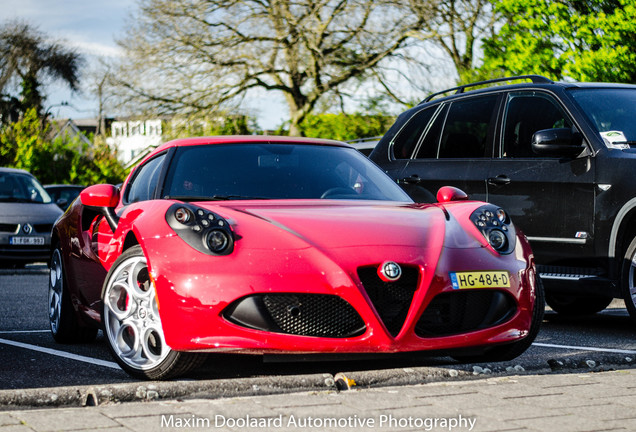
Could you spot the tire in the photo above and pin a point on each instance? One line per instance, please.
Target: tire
(514, 349)
(577, 306)
(63, 320)
(132, 324)
(628, 279)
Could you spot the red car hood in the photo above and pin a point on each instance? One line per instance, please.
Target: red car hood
(330, 225)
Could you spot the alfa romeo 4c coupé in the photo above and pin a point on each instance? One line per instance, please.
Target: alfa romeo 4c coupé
(272, 245)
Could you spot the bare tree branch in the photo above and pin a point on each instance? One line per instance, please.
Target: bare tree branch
(196, 55)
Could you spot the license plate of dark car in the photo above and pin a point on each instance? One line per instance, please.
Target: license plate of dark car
(28, 241)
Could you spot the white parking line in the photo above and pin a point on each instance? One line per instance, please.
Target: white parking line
(584, 348)
(64, 354)
(23, 331)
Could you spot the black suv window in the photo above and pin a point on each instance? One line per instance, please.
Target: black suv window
(467, 129)
(145, 182)
(527, 113)
(430, 144)
(407, 138)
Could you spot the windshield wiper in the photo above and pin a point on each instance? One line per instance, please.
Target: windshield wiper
(212, 198)
(235, 197)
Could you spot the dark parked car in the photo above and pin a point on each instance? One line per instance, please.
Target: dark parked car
(63, 194)
(559, 157)
(27, 214)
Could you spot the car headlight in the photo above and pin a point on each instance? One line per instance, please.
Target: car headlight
(494, 223)
(202, 229)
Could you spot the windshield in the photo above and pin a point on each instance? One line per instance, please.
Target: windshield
(612, 112)
(16, 187)
(276, 171)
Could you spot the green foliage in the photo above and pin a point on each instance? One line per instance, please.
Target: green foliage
(345, 127)
(25, 145)
(581, 40)
(231, 125)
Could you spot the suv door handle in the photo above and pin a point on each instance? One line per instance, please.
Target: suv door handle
(501, 179)
(413, 179)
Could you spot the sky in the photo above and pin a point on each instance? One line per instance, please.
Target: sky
(92, 27)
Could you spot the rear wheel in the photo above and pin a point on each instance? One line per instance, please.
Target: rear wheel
(63, 320)
(574, 306)
(132, 324)
(514, 349)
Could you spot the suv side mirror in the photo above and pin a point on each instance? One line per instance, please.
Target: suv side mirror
(105, 198)
(557, 142)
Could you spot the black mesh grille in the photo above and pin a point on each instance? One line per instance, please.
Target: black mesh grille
(319, 315)
(463, 311)
(313, 315)
(390, 299)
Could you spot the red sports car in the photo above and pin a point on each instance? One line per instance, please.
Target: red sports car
(252, 244)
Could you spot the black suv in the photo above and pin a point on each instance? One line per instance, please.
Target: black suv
(559, 157)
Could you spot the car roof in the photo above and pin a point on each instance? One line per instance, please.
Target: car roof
(249, 139)
(543, 84)
(15, 171)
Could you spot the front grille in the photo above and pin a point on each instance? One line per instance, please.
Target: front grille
(319, 315)
(391, 300)
(9, 228)
(43, 228)
(458, 312)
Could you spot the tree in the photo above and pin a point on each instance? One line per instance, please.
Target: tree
(577, 39)
(346, 127)
(28, 57)
(223, 125)
(26, 144)
(457, 27)
(205, 56)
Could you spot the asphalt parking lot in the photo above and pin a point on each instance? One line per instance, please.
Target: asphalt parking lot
(31, 360)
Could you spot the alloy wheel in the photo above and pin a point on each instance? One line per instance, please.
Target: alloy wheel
(131, 316)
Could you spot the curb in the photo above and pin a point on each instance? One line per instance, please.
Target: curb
(147, 391)
(214, 389)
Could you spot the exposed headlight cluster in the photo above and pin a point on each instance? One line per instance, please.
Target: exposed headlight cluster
(204, 230)
(495, 225)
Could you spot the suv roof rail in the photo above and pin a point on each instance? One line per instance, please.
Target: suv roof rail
(536, 79)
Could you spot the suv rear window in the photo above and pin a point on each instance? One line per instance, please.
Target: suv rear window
(409, 135)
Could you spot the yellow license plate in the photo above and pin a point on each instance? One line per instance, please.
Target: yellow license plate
(481, 279)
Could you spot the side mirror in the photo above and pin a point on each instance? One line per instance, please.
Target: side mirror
(450, 193)
(105, 198)
(62, 203)
(560, 142)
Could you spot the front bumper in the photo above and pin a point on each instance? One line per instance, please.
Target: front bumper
(198, 298)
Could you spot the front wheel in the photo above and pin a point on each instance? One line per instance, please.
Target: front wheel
(132, 323)
(628, 279)
(514, 349)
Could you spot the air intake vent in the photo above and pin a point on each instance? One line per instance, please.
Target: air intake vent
(319, 315)
(390, 299)
(458, 312)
